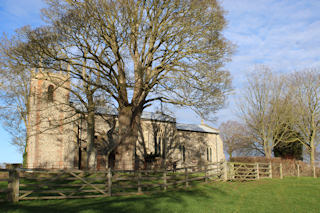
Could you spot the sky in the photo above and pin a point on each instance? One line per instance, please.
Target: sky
(282, 34)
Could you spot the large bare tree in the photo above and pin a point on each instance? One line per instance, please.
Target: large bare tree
(138, 52)
(306, 86)
(14, 108)
(237, 139)
(267, 109)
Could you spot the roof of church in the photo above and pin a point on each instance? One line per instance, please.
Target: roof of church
(157, 116)
(197, 128)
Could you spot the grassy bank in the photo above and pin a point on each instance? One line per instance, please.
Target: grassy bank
(288, 195)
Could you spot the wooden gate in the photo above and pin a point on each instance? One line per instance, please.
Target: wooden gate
(61, 184)
(249, 171)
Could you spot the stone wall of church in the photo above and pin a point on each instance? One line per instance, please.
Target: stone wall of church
(57, 135)
(156, 138)
(197, 148)
(51, 136)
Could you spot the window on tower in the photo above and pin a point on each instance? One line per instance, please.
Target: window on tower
(50, 93)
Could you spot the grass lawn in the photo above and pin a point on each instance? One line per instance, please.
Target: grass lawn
(287, 195)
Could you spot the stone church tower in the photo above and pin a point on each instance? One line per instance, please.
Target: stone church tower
(51, 138)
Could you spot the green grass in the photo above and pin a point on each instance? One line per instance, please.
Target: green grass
(3, 185)
(287, 195)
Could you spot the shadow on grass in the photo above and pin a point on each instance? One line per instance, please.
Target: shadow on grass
(170, 201)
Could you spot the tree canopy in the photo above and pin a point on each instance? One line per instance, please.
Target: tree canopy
(171, 51)
(137, 52)
(281, 112)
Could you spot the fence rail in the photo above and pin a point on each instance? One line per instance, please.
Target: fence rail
(34, 184)
(249, 171)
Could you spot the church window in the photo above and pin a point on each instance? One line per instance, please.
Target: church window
(183, 154)
(50, 93)
(34, 95)
(159, 145)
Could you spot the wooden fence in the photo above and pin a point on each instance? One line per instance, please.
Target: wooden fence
(30, 184)
(4, 191)
(249, 171)
(34, 184)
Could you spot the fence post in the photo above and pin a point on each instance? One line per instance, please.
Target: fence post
(225, 171)
(281, 175)
(13, 185)
(165, 180)
(270, 169)
(314, 171)
(109, 182)
(186, 176)
(257, 169)
(298, 167)
(232, 172)
(205, 173)
(139, 182)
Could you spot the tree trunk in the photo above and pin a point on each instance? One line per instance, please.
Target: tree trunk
(267, 151)
(164, 153)
(129, 121)
(230, 151)
(312, 143)
(91, 152)
(25, 154)
(26, 121)
(312, 154)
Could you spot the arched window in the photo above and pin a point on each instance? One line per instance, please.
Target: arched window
(183, 153)
(159, 145)
(50, 93)
(34, 95)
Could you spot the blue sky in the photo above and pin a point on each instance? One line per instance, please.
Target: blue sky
(283, 34)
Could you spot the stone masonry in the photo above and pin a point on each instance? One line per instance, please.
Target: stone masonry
(57, 134)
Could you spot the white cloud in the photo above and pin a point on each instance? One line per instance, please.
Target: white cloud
(284, 35)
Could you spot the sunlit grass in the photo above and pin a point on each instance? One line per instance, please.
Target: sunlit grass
(287, 195)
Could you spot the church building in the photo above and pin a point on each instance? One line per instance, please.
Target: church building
(57, 136)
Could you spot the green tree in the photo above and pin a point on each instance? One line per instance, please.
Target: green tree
(291, 147)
